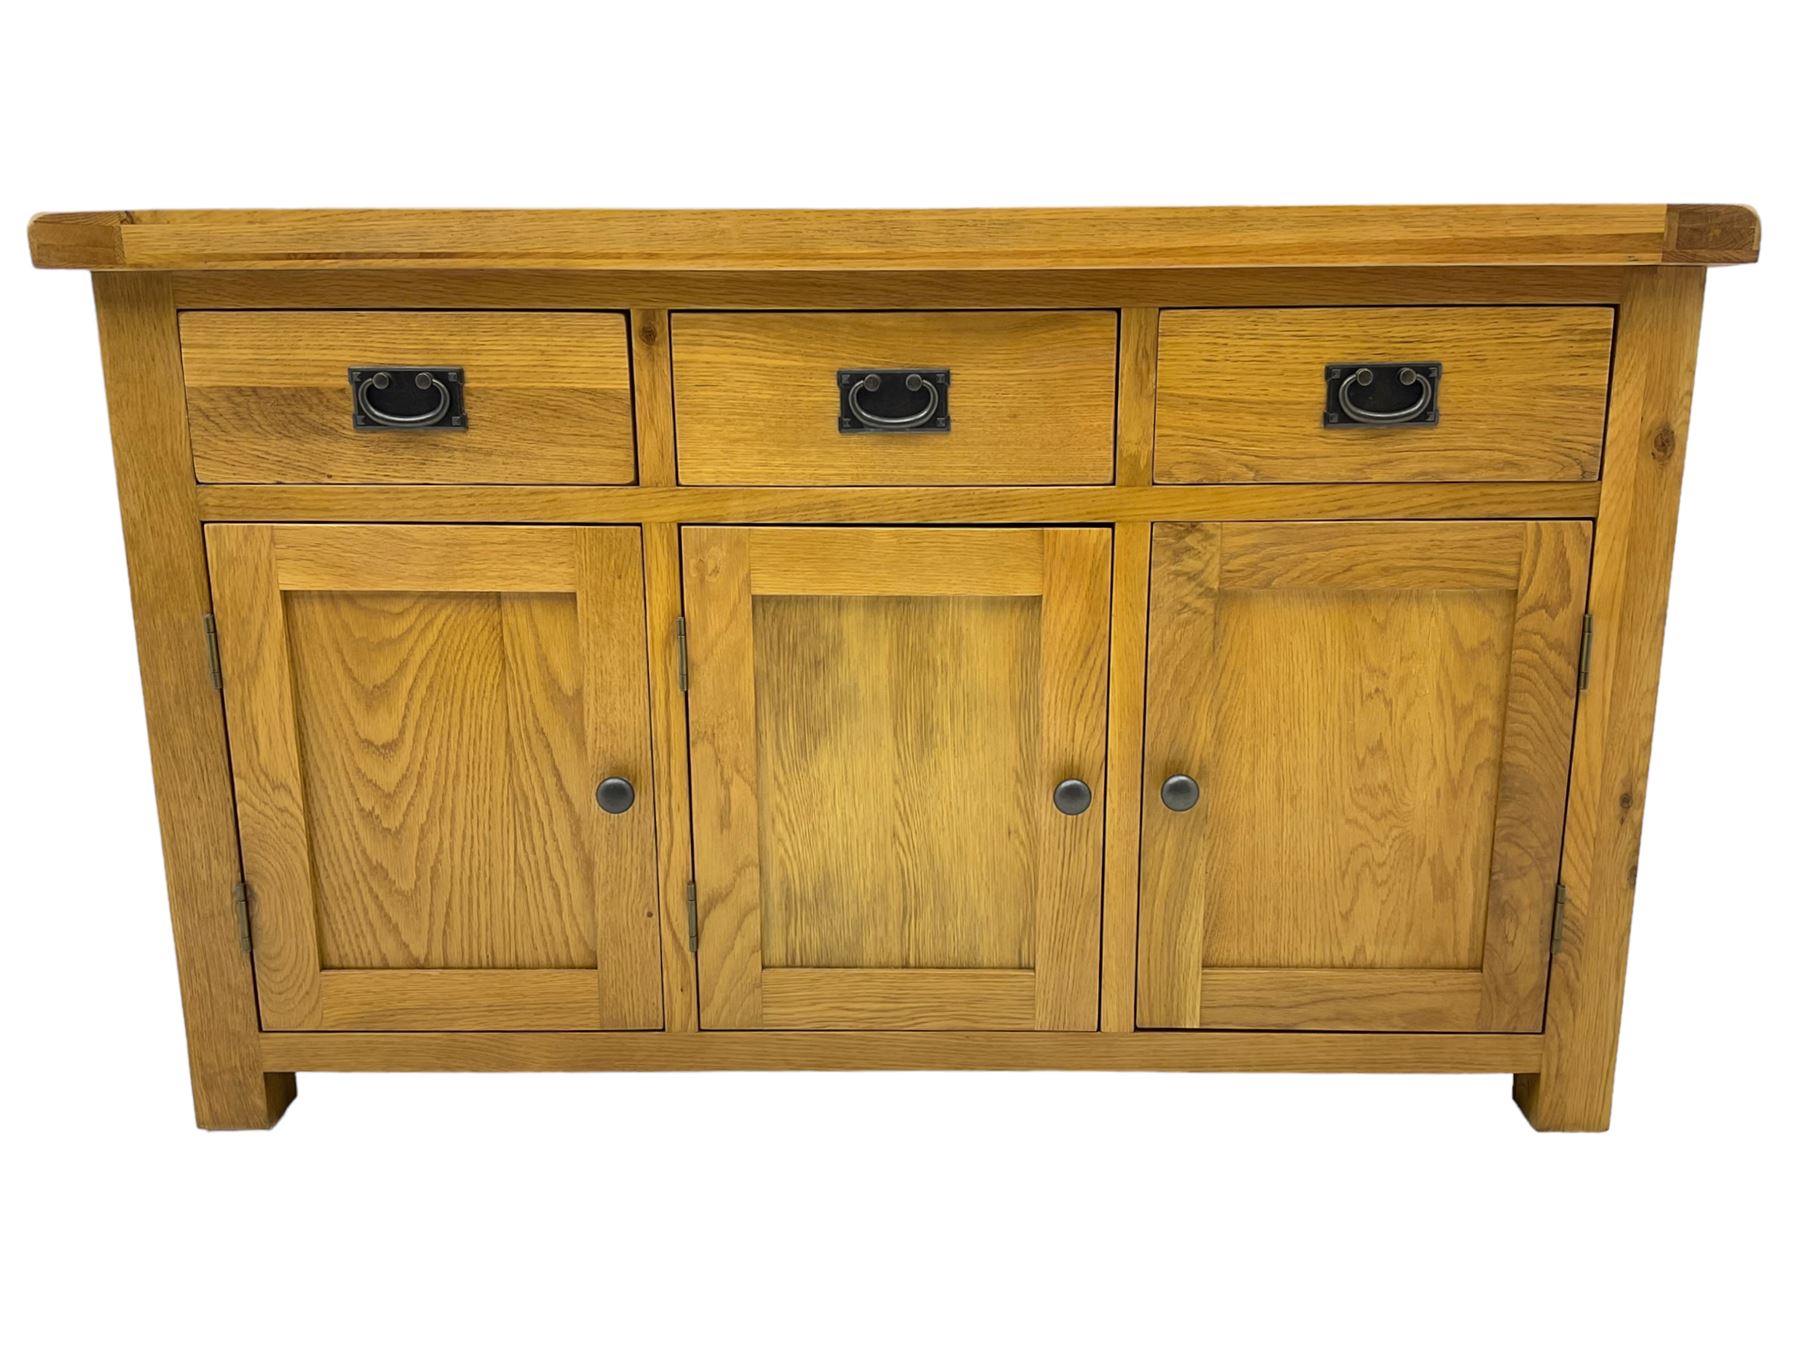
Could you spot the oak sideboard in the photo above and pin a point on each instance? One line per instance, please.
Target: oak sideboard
(1216, 639)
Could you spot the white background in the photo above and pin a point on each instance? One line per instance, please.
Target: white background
(894, 1209)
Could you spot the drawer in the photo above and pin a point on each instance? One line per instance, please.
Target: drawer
(1241, 394)
(546, 397)
(1029, 397)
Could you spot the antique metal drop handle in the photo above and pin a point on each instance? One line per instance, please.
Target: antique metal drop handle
(872, 382)
(424, 380)
(1363, 377)
(1179, 792)
(1073, 796)
(615, 795)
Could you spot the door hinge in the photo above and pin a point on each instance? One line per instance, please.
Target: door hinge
(693, 906)
(1587, 651)
(240, 895)
(1556, 923)
(212, 651)
(681, 666)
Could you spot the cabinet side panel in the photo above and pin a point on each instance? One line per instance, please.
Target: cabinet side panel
(166, 562)
(1634, 543)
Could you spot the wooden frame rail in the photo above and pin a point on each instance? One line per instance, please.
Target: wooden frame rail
(1179, 1051)
(1122, 504)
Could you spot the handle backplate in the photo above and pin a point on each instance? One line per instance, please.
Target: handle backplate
(916, 399)
(407, 398)
(1381, 393)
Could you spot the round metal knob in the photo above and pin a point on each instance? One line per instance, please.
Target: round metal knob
(615, 795)
(1179, 792)
(1073, 796)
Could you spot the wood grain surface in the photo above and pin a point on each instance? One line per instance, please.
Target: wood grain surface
(966, 239)
(928, 782)
(1240, 394)
(442, 745)
(1137, 550)
(415, 772)
(669, 747)
(1177, 1052)
(1126, 693)
(1379, 716)
(1030, 397)
(166, 566)
(1340, 1000)
(548, 397)
(1352, 775)
(1147, 288)
(929, 729)
(909, 999)
(1634, 546)
(908, 506)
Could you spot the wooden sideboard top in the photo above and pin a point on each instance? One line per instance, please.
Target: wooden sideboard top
(901, 241)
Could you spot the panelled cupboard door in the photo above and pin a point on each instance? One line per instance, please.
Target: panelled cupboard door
(1357, 748)
(880, 722)
(420, 718)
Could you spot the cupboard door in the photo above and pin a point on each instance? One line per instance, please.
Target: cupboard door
(1376, 720)
(880, 721)
(420, 718)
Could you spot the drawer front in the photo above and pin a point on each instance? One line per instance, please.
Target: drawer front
(1029, 397)
(546, 397)
(1241, 394)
